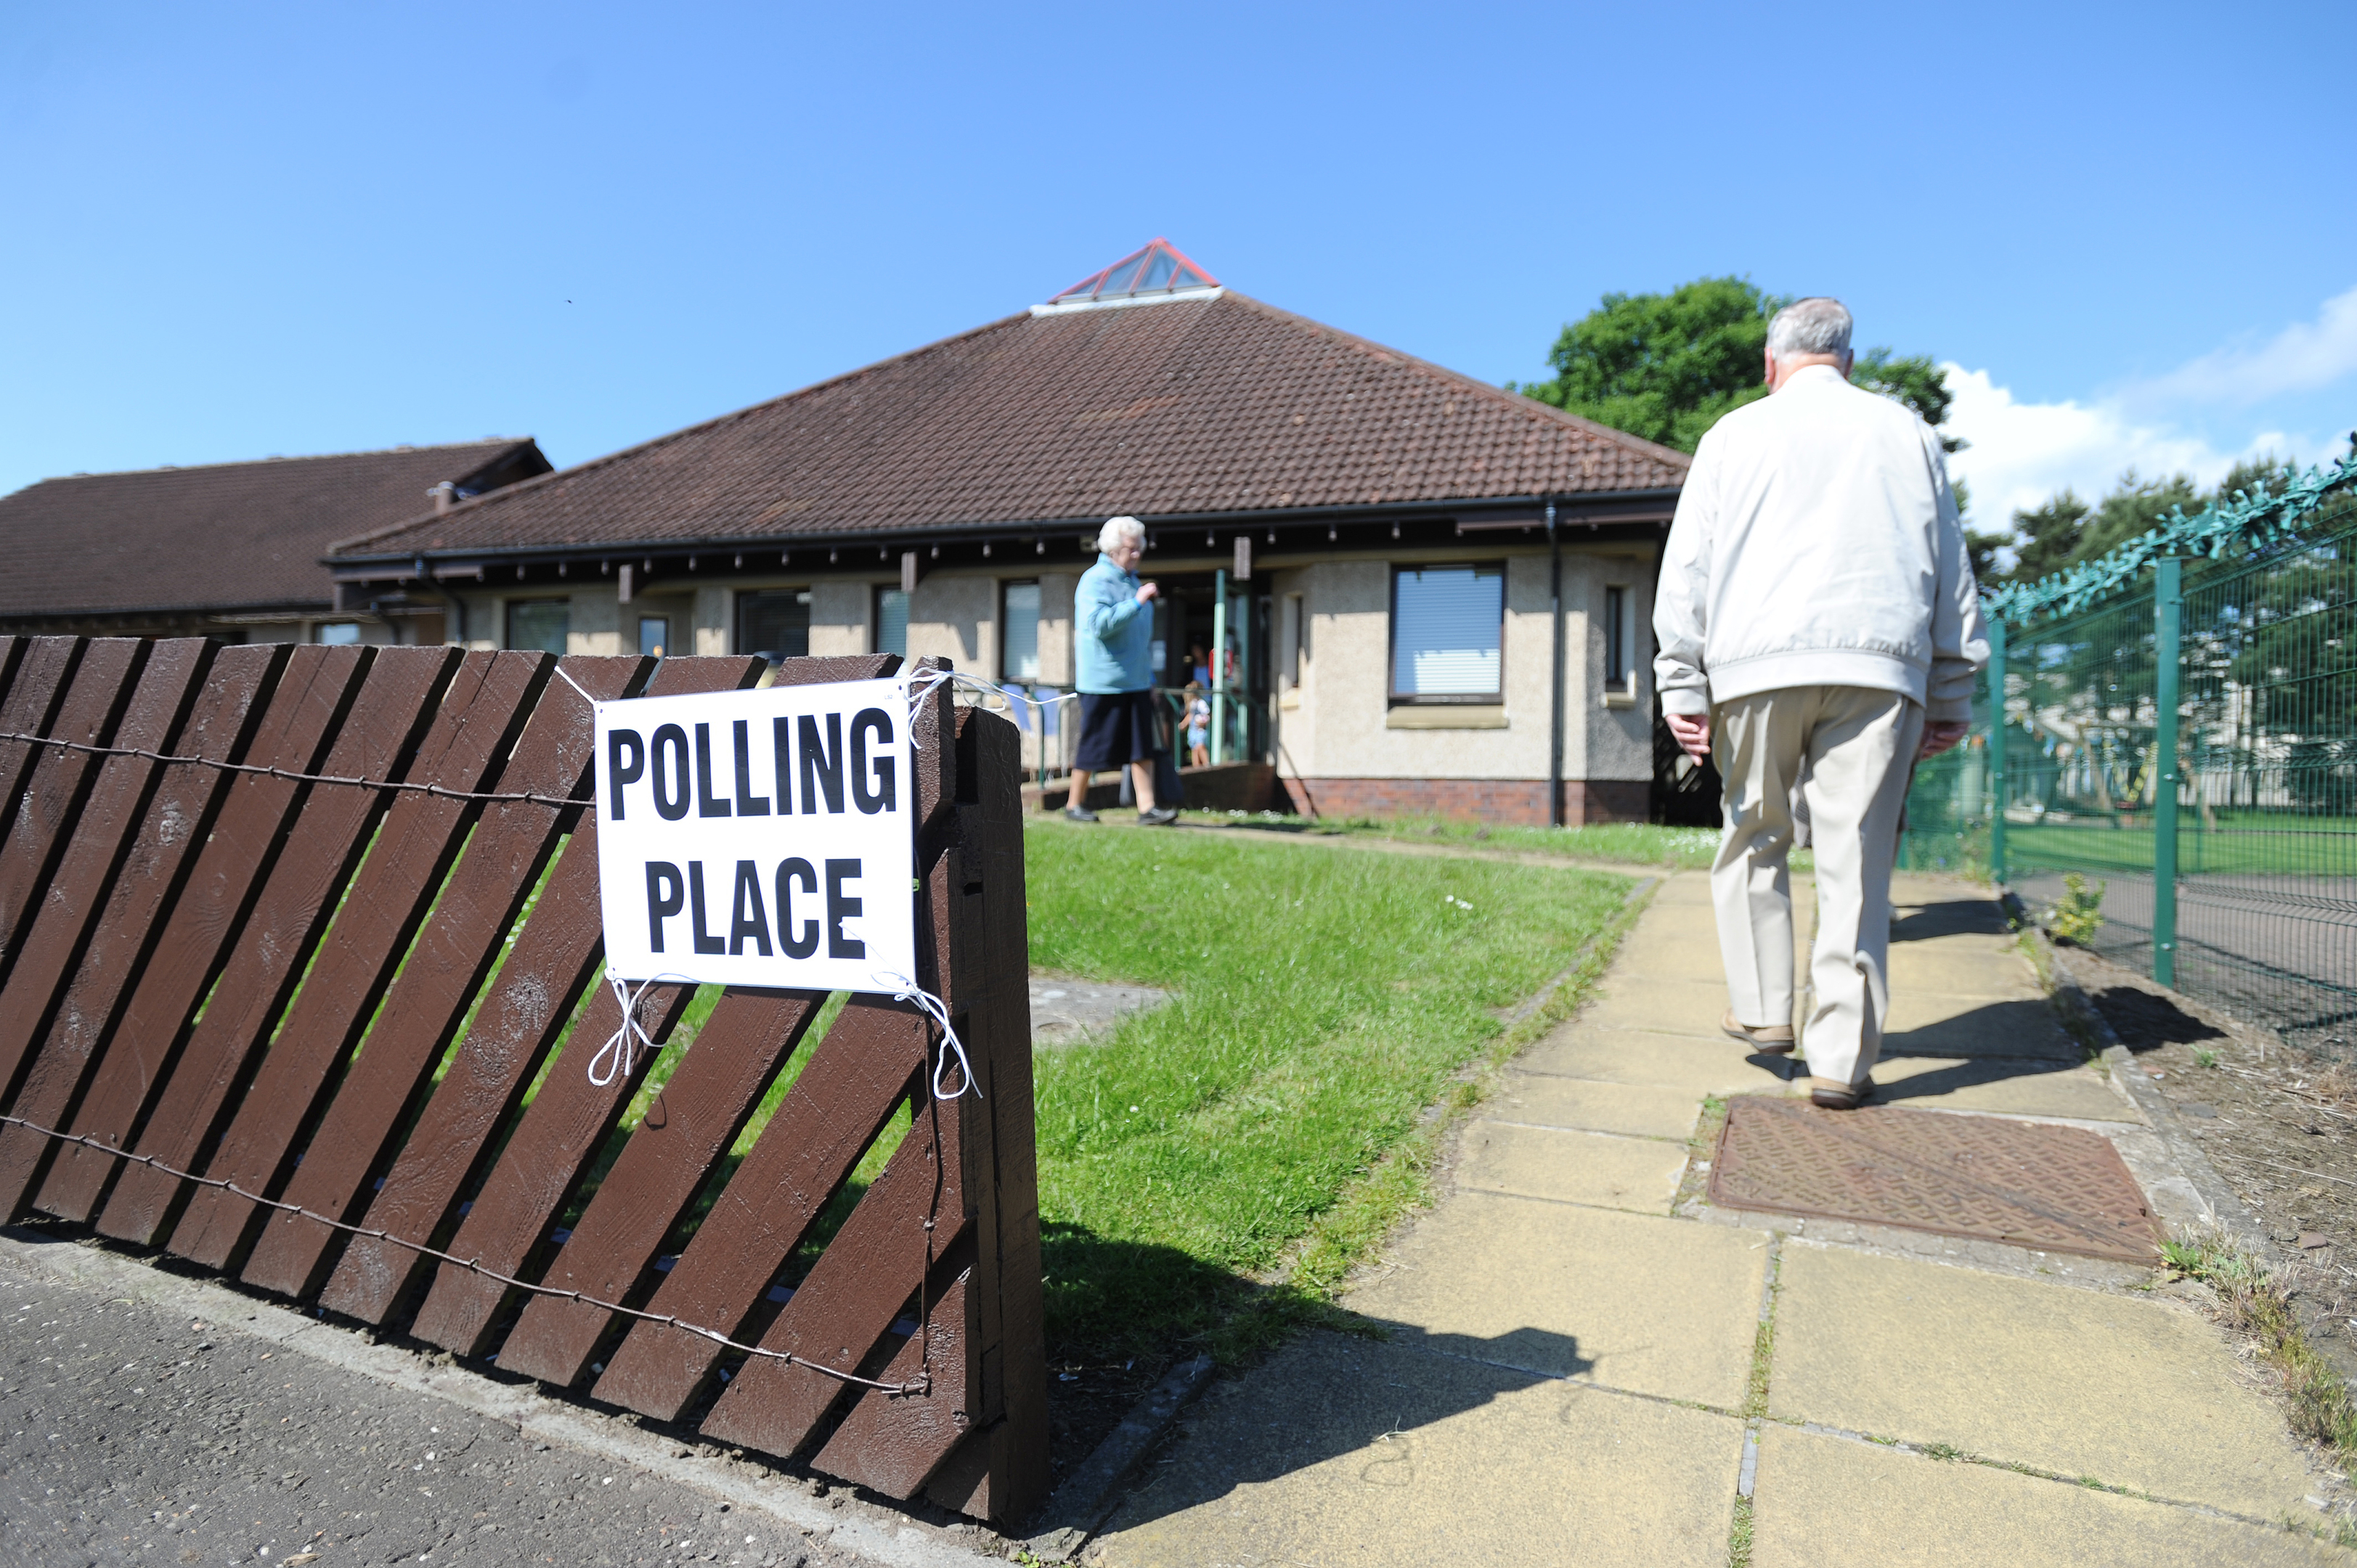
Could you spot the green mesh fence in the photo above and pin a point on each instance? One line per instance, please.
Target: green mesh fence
(2267, 738)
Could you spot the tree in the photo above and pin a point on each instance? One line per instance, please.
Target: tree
(1668, 366)
(1663, 365)
(2065, 530)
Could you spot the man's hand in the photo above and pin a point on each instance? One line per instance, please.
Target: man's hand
(1941, 735)
(1146, 591)
(1692, 731)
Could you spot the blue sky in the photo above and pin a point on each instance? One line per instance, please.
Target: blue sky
(242, 229)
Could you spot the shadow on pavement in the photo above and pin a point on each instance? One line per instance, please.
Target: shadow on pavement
(1331, 1396)
(1949, 918)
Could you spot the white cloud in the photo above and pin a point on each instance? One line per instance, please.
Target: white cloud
(2303, 357)
(2021, 453)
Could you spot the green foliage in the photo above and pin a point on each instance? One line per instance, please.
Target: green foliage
(2255, 1301)
(1664, 366)
(2079, 914)
(1668, 366)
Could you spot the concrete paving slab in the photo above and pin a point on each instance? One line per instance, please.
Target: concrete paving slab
(1601, 1168)
(1687, 1063)
(2009, 1086)
(1824, 1502)
(1540, 1099)
(1951, 968)
(1665, 1007)
(1350, 1451)
(1929, 1023)
(1653, 1305)
(2136, 1393)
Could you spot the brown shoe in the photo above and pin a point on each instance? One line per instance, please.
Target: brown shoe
(1772, 1040)
(1836, 1096)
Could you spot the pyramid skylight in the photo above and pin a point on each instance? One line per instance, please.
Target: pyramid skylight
(1149, 276)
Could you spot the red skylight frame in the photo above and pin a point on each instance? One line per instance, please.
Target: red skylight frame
(1181, 263)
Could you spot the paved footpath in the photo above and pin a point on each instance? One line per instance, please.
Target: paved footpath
(1580, 1367)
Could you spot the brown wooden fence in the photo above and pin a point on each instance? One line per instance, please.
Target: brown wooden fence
(342, 1000)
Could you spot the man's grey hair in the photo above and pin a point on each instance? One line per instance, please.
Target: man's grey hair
(1118, 531)
(1818, 325)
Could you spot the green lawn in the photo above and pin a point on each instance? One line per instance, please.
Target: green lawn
(2277, 845)
(1322, 1001)
(1627, 844)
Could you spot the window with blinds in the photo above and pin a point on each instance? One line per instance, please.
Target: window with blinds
(892, 621)
(1019, 633)
(1448, 624)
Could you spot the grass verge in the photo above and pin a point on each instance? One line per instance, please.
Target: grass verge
(1210, 1171)
(2255, 1301)
(1627, 844)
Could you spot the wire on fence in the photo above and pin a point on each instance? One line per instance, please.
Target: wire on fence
(922, 1385)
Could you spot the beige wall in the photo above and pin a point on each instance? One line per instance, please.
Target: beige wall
(1341, 724)
(1056, 593)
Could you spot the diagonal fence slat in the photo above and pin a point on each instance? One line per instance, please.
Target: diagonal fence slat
(161, 816)
(480, 713)
(867, 1063)
(848, 1302)
(693, 1120)
(344, 997)
(519, 1018)
(511, 843)
(328, 830)
(49, 796)
(66, 917)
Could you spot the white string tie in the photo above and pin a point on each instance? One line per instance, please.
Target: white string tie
(908, 990)
(923, 683)
(623, 1043)
(576, 685)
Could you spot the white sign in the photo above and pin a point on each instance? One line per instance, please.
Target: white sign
(760, 838)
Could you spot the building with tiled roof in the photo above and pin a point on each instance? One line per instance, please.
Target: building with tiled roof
(1431, 590)
(227, 550)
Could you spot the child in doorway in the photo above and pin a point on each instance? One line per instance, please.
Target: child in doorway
(1199, 727)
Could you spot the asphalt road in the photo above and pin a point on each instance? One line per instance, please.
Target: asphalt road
(133, 1433)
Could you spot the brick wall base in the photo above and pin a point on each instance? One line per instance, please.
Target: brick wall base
(1517, 802)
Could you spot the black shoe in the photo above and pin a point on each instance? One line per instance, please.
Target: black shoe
(1160, 817)
(1079, 814)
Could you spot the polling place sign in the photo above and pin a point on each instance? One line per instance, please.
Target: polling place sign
(758, 838)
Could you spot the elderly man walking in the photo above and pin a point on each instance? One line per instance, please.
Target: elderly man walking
(1819, 630)
(1115, 626)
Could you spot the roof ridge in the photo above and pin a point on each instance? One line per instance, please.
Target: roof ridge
(475, 505)
(300, 457)
(1512, 401)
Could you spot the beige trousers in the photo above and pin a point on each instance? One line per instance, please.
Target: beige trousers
(1850, 750)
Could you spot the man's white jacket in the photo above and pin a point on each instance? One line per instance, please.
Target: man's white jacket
(1817, 543)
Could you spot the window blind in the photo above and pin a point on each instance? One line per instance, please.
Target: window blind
(1020, 633)
(1446, 630)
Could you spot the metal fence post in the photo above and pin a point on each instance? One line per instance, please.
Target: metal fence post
(1219, 666)
(2169, 601)
(1997, 750)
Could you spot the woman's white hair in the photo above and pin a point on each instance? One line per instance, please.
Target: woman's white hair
(1118, 531)
(1818, 325)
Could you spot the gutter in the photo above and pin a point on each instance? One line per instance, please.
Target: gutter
(1606, 507)
(1555, 709)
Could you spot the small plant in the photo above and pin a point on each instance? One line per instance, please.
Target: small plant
(2255, 1302)
(2079, 914)
(2204, 1056)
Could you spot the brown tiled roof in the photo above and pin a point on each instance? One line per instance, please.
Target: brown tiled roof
(1185, 408)
(225, 537)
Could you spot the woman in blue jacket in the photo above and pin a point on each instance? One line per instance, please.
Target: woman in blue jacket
(1114, 634)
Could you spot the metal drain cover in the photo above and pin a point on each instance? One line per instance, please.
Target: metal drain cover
(2026, 1183)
